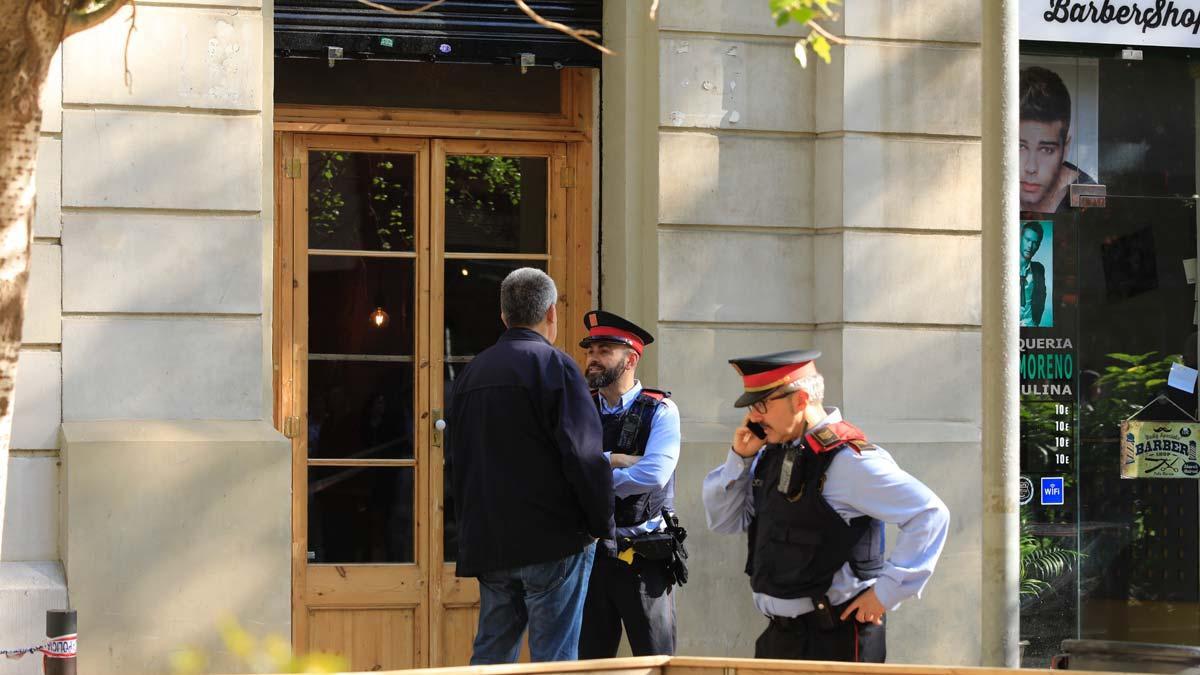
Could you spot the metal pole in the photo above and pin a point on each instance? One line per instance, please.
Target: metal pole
(60, 627)
(1001, 415)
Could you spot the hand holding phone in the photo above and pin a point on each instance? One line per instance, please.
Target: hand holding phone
(756, 429)
(749, 438)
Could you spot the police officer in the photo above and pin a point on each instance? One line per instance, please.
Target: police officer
(814, 495)
(631, 584)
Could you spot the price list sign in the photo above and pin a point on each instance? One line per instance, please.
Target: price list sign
(1049, 372)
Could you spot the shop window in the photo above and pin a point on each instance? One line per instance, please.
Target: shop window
(1108, 309)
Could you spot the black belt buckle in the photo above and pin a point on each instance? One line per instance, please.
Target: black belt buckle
(823, 613)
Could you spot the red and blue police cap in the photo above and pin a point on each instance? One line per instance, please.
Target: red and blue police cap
(763, 374)
(605, 326)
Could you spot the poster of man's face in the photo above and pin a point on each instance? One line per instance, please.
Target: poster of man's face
(1058, 130)
(1037, 273)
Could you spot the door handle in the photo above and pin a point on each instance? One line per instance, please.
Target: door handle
(439, 425)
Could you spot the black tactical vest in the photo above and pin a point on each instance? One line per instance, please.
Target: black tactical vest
(627, 433)
(797, 541)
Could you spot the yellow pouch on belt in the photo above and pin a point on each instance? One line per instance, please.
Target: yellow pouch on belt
(626, 556)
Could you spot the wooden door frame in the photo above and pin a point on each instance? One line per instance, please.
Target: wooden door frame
(572, 128)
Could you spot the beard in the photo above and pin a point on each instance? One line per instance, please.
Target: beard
(604, 377)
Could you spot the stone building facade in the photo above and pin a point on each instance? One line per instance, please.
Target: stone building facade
(746, 205)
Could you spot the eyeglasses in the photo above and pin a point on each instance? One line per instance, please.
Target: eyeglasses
(760, 407)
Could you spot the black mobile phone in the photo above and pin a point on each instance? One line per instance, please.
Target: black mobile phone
(756, 429)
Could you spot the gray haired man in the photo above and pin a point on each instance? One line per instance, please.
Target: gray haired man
(532, 488)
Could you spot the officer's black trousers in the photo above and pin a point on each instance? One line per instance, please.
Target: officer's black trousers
(638, 596)
(804, 639)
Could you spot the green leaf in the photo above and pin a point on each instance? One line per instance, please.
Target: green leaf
(802, 15)
(820, 47)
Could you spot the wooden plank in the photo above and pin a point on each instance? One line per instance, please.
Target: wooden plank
(637, 665)
(434, 298)
(579, 242)
(479, 119)
(495, 256)
(340, 585)
(408, 255)
(398, 131)
(422, 410)
(556, 240)
(363, 462)
(458, 635)
(321, 142)
(687, 665)
(499, 147)
(369, 638)
(458, 591)
(298, 379)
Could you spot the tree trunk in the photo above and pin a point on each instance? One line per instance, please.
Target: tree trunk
(30, 32)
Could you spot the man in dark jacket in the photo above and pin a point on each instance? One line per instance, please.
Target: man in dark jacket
(533, 490)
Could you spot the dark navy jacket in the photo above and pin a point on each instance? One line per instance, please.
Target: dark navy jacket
(531, 483)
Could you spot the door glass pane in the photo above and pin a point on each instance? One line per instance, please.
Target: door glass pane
(473, 303)
(359, 305)
(360, 515)
(359, 409)
(361, 201)
(496, 204)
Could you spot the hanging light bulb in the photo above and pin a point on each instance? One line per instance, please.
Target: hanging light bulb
(465, 273)
(379, 318)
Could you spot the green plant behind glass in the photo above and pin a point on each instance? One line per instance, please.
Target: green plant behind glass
(1043, 562)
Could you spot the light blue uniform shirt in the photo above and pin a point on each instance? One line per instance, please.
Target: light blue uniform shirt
(657, 465)
(857, 484)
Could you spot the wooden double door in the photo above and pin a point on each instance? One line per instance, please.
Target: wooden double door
(390, 256)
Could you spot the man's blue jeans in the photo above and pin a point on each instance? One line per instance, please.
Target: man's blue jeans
(547, 596)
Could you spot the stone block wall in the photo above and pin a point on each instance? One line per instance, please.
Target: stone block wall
(149, 305)
(837, 207)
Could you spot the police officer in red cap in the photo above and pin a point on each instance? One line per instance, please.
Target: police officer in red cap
(633, 576)
(813, 494)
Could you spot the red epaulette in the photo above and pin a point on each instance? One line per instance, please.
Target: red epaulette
(656, 394)
(835, 435)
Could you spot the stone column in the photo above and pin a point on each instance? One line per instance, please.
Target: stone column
(1001, 334)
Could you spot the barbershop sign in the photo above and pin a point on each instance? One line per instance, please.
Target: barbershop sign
(1151, 449)
(1134, 23)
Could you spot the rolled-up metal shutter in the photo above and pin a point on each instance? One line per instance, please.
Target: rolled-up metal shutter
(462, 31)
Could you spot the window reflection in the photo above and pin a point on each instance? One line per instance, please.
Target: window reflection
(473, 302)
(345, 297)
(360, 515)
(361, 201)
(496, 204)
(360, 410)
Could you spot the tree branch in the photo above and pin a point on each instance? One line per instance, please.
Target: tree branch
(393, 10)
(94, 13)
(578, 34)
(128, 39)
(826, 34)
